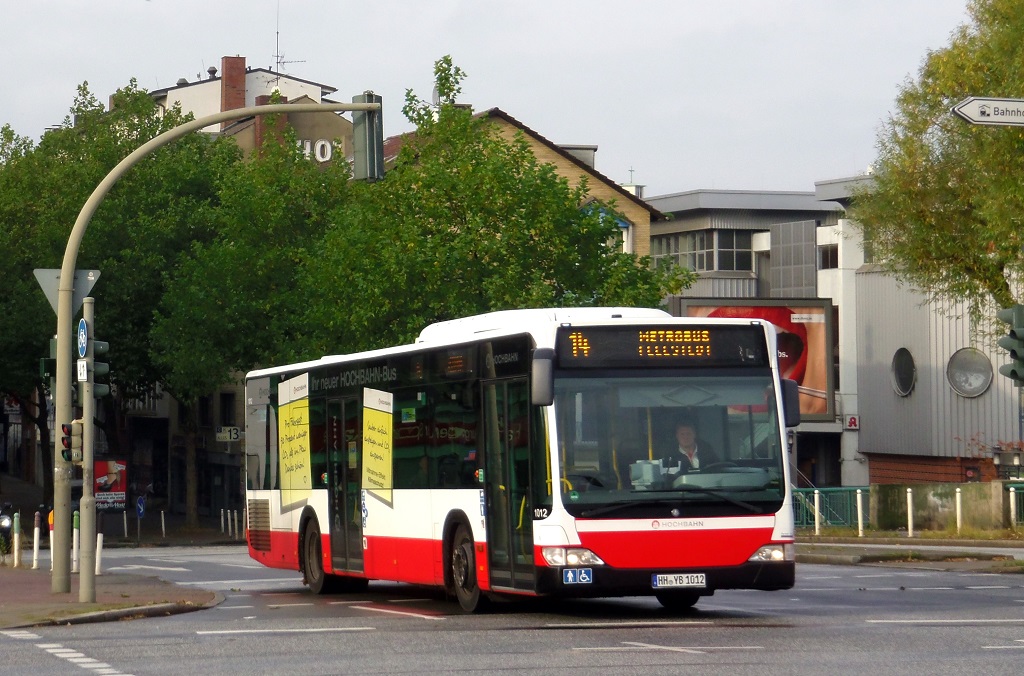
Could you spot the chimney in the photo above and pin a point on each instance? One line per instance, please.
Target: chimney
(263, 126)
(232, 83)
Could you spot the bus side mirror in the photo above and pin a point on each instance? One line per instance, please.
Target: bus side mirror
(542, 381)
(791, 402)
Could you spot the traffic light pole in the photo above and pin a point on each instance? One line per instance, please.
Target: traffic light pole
(87, 541)
(60, 581)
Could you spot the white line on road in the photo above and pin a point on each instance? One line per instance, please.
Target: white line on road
(311, 630)
(392, 611)
(641, 623)
(948, 621)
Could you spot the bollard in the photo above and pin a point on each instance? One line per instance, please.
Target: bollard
(163, 525)
(245, 524)
(125, 515)
(75, 535)
(860, 515)
(222, 521)
(1013, 508)
(51, 548)
(910, 513)
(959, 512)
(99, 553)
(235, 514)
(817, 512)
(35, 541)
(16, 551)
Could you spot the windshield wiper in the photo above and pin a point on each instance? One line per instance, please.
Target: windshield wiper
(715, 492)
(622, 504)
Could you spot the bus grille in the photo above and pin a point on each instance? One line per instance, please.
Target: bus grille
(259, 525)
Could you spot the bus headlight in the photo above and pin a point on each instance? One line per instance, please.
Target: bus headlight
(574, 556)
(774, 554)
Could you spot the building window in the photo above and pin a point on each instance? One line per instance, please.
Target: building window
(734, 250)
(969, 372)
(828, 257)
(904, 372)
(227, 409)
(205, 412)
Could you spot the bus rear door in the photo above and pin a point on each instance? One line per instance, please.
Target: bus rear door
(344, 466)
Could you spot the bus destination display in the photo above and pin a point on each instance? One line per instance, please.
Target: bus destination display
(651, 346)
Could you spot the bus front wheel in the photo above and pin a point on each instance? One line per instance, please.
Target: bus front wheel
(677, 600)
(463, 569)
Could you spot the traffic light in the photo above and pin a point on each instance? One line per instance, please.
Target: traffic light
(1014, 342)
(99, 348)
(71, 441)
(367, 140)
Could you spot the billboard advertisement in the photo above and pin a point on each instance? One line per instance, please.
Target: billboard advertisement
(805, 342)
(111, 484)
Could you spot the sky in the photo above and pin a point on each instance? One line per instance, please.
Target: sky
(677, 95)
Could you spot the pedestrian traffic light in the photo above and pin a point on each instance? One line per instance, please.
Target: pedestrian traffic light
(1014, 343)
(71, 441)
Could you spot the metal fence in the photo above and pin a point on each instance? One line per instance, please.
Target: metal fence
(837, 506)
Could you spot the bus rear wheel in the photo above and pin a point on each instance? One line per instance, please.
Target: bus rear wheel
(463, 570)
(313, 560)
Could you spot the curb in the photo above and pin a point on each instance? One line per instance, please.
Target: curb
(116, 614)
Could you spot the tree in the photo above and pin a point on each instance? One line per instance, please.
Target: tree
(943, 209)
(144, 224)
(465, 222)
(233, 303)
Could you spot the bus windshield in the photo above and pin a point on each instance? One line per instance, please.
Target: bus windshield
(708, 444)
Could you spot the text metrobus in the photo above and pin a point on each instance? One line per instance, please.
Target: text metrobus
(522, 453)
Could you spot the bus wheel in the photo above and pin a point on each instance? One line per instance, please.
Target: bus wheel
(312, 559)
(677, 600)
(463, 567)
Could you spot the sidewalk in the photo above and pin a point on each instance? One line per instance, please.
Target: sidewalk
(26, 596)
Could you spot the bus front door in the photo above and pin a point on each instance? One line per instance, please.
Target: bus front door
(345, 469)
(507, 483)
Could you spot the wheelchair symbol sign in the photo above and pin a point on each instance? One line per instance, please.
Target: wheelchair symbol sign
(577, 576)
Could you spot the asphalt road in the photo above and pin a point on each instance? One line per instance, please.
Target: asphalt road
(841, 619)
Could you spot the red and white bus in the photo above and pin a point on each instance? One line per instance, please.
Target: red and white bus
(521, 453)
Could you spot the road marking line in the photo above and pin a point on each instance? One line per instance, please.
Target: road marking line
(948, 621)
(988, 586)
(392, 611)
(288, 605)
(312, 630)
(233, 607)
(248, 581)
(640, 623)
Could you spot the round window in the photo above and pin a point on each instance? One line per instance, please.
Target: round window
(969, 372)
(904, 373)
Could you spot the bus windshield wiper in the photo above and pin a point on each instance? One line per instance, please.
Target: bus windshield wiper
(715, 492)
(622, 504)
(719, 493)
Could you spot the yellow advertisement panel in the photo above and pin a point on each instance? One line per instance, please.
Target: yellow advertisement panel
(377, 444)
(293, 441)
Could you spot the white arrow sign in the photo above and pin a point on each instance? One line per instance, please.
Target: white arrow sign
(980, 110)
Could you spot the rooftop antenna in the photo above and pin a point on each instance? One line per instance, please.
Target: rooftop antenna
(279, 59)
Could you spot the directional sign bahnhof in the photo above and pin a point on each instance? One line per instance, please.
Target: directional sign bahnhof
(980, 110)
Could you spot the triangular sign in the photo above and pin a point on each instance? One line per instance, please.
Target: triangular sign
(49, 281)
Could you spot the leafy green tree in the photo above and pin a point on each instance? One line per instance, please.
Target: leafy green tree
(147, 221)
(233, 302)
(466, 222)
(943, 210)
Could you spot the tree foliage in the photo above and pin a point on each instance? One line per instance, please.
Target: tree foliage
(465, 222)
(944, 207)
